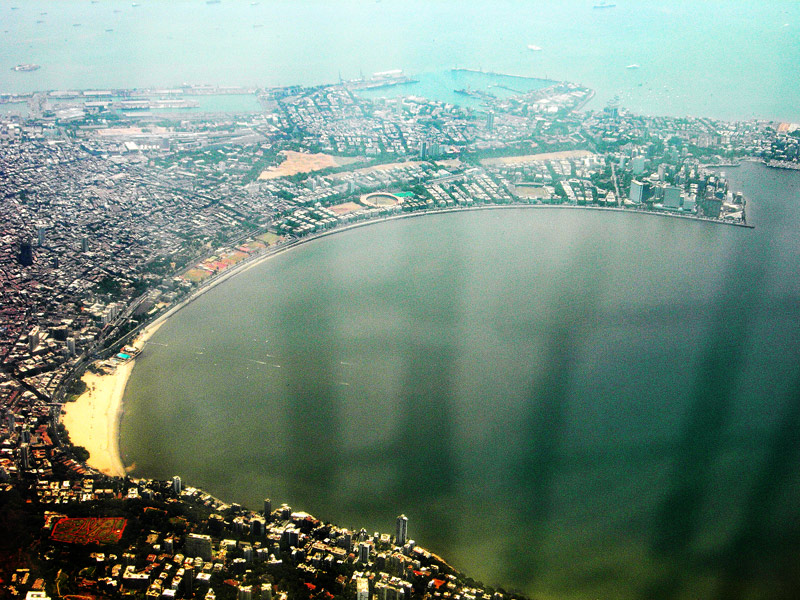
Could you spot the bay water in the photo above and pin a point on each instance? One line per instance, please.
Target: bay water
(569, 402)
(572, 403)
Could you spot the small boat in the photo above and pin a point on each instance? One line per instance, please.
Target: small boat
(26, 67)
(534, 47)
(632, 66)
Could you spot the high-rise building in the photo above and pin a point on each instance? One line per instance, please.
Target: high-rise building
(267, 507)
(423, 150)
(84, 244)
(266, 591)
(363, 553)
(198, 545)
(402, 530)
(257, 527)
(490, 121)
(247, 553)
(176, 485)
(245, 592)
(33, 338)
(672, 196)
(637, 164)
(40, 235)
(711, 206)
(362, 588)
(25, 455)
(25, 253)
(640, 191)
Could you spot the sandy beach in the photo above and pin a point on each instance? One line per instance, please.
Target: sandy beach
(92, 421)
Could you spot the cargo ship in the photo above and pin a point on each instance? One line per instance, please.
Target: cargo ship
(26, 67)
(475, 93)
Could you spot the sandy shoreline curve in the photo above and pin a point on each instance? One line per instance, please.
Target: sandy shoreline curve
(93, 419)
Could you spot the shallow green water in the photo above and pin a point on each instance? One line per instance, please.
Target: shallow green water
(573, 403)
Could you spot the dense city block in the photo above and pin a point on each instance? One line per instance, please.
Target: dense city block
(113, 214)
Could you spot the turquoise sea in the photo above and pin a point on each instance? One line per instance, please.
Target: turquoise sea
(733, 59)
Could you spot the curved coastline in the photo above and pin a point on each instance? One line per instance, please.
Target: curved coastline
(93, 421)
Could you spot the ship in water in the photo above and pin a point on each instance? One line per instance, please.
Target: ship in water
(534, 48)
(475, 93)
(633, 66)
(26, 67)
(604, 4)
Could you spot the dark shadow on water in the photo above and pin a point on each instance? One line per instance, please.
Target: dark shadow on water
(422, 450)
(759, 549)
(703, 437)
(426, 413)
(532, 472)
(313, 436)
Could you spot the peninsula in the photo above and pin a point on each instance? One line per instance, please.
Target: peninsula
(114, 218)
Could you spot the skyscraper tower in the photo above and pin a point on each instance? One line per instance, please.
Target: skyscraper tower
(640, 191)
(26, 253)
(402, 530)
(176, 484)
(363, 553)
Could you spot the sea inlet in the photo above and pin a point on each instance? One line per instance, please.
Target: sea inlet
(575, 404)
